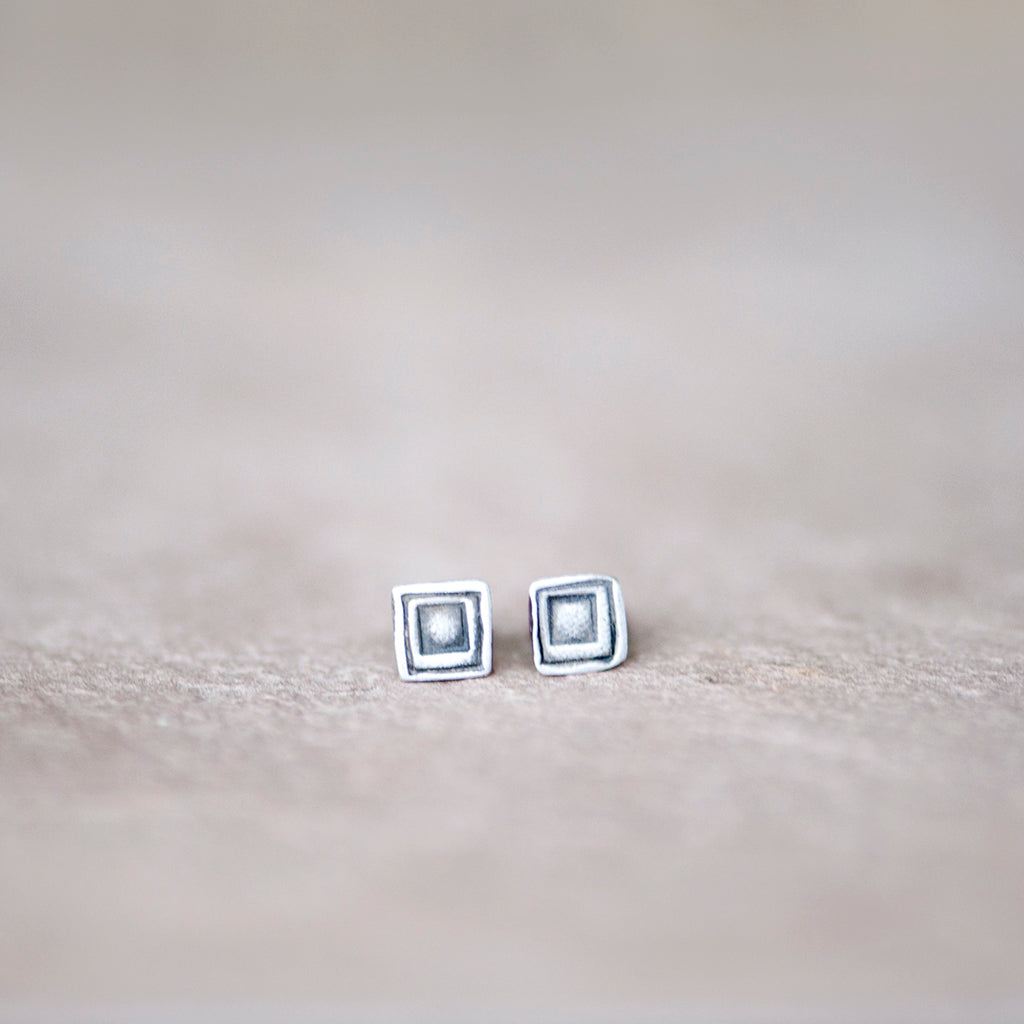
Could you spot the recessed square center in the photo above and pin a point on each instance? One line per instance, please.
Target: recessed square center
(443, 628)
(573, 619)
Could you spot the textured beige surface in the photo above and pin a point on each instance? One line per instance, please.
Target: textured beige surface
(301, 303)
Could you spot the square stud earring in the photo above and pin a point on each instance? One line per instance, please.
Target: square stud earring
(442, 630)
(578, 624)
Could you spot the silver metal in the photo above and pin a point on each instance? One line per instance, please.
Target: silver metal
(442, 630)
(578, 624)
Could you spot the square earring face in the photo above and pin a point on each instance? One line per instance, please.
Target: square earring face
(442, 630)
(578, 624)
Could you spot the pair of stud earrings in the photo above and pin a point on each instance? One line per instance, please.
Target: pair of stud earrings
(443, 630)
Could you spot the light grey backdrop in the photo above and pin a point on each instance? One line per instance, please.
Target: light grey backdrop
(299, 302)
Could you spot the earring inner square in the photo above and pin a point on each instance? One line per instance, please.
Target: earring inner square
(443, 628)
(572, 619)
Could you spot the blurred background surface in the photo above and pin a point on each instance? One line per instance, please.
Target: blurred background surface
(300, 301)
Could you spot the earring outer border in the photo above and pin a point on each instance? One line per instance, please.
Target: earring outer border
(567, 668)
(440, 675)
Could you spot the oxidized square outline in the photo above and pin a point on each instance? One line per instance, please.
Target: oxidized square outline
(420, 661)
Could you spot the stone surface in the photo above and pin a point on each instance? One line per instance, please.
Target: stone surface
(300, 305)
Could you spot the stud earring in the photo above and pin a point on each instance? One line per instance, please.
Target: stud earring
(442, 630)
(578, 624)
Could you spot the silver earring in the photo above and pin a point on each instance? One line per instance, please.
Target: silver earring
(578, 624)
(442, 630)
